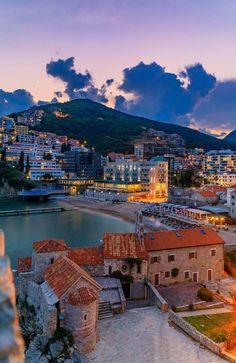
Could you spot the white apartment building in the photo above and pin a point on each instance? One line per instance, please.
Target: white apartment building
(152, 174)
(38, 168)
(217, 162)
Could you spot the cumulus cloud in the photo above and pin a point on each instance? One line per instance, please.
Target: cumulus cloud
(77, 84)
(218, 109)
(15, 101)
(162, 95)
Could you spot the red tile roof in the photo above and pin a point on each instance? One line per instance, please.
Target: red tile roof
(24, 264)
(123, 245)
(215, 188)
(182, 238)
(83, 295)
(50, 245)
(63, 274)
(87, 256)
(207, 194)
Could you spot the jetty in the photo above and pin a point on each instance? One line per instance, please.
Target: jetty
(18, 212)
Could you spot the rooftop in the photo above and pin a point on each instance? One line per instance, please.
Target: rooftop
(50, 245)
(83, 295)
(182, 238)
(123, 245)
(63, 274)
(24, 264)
(87, 256)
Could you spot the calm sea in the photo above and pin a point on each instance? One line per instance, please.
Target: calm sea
(77, 228)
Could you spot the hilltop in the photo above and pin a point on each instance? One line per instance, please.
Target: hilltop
(231, 137)
(107, 129)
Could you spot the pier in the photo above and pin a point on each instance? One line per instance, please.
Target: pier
(18, 212)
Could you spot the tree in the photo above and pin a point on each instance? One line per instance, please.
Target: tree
(4, 154)
(27, 168)
(47, 176)
(21, 162)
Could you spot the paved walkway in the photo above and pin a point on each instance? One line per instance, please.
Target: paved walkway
(205, 312)
(144, 336)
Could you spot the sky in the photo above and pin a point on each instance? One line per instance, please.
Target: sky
(169, 60)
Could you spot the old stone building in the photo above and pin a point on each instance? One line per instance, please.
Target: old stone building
(184, 255)
(62, 293)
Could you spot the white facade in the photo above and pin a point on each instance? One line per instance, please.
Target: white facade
(38, 168)
(152, 174)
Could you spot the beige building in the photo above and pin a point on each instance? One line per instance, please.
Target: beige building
(184, 255)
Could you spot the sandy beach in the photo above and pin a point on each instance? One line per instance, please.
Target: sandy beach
(125, 210)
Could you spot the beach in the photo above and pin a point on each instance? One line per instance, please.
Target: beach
(124, 210)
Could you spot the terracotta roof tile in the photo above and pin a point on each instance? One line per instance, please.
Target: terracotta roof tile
(123, 245)
(24, 264)
(63, 274)
(83, 295)
(87, 256)
(182, 238)
(207, 194)
(50, 245)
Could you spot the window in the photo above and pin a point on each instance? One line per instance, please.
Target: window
(125, 268)
(192, 255)
(171, 258)
(187, 275)
(157, 279)
(213, 252)
(85, 316)
(51, 260)
(139, 268)
(110, 270)
(167, 274)
(156, 259)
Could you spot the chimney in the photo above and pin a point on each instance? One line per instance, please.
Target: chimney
(2, 243)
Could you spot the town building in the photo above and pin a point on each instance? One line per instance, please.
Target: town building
(83, 164)
(38, 169)
(152, 174)
(184, 255)
(217, 162)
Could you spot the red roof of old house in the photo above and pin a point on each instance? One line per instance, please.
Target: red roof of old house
(207, 194)
(50, 245)
(215, 188)
(87, 256)
(123, 245)
(83, 295)
(182, 238)
(63, 274)
(24, 264)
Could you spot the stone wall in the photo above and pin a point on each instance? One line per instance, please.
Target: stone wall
(201, 264)
(195, 334)
(46, 315)
(137, 288)
(22, 282)
(155, 298)
(40, 262)
(11, 341)
(81, 320)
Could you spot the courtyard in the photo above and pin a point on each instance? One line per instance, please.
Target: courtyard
(144, 336)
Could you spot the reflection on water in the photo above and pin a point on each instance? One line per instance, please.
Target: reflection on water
(77, 228)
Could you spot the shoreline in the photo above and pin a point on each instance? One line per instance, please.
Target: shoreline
(125, 210)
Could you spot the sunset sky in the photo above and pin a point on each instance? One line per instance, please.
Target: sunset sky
(107, 36)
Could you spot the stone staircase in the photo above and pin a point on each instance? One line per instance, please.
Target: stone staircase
(104, 310)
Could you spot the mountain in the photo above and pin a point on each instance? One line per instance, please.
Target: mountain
(107, 129)
(231, 137)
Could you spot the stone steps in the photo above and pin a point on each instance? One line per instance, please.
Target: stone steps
(105, 310)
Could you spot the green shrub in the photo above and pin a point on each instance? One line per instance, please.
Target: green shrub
(174, 272)
(191, 307)
(174, 308)
(205, 294)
